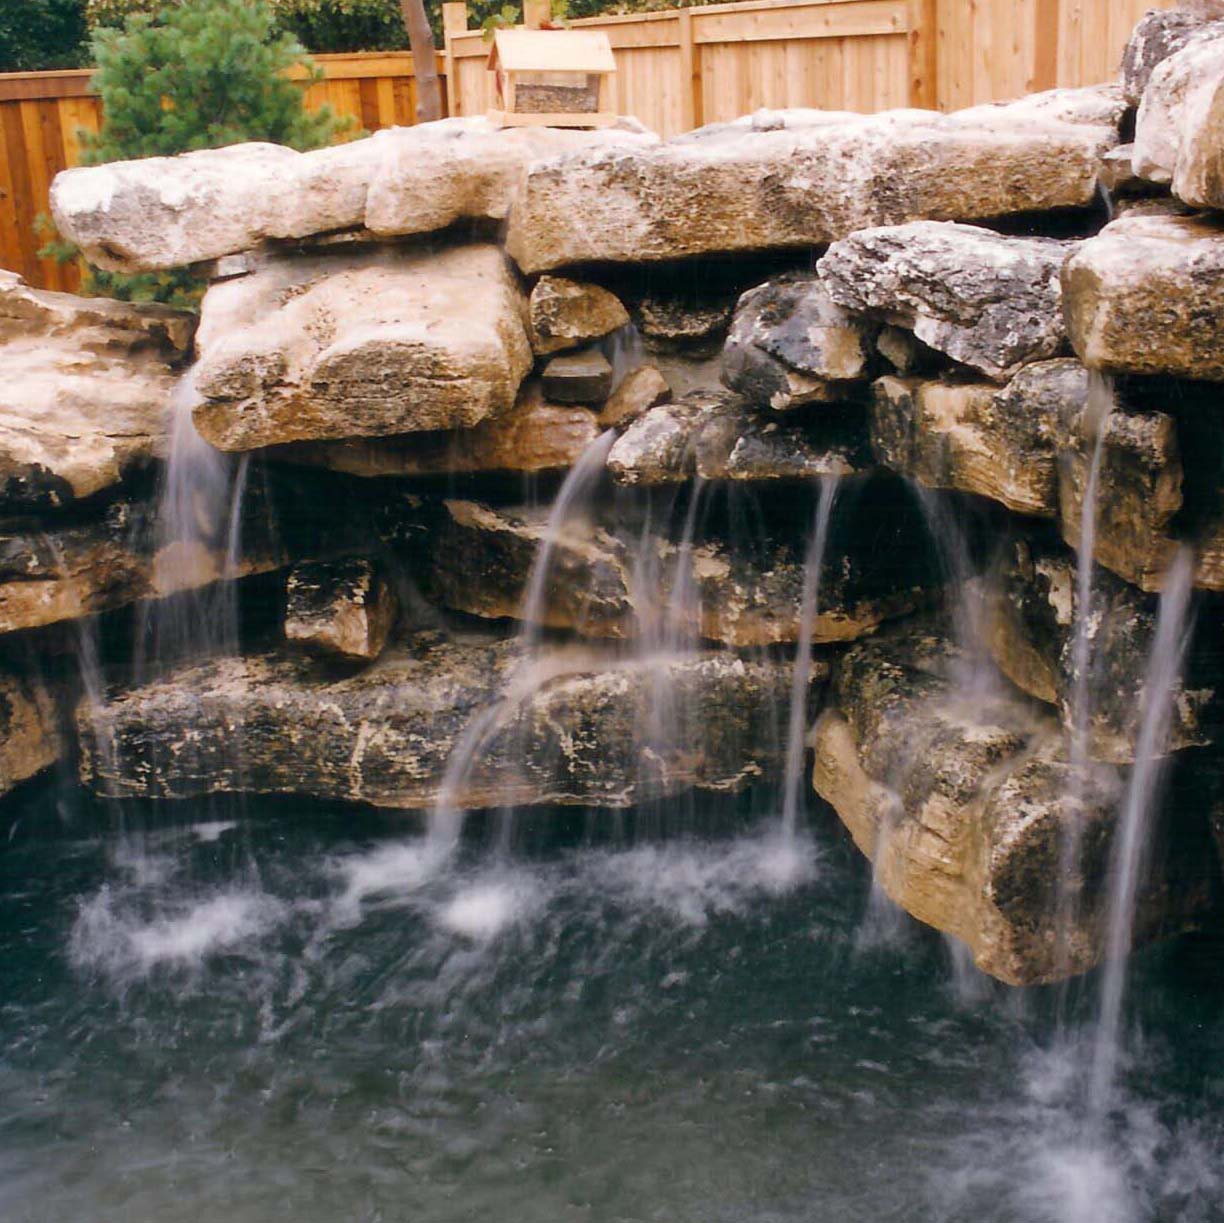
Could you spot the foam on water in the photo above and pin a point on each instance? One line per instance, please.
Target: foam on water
(486, 908)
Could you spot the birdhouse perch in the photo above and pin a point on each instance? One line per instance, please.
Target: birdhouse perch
(552, 78)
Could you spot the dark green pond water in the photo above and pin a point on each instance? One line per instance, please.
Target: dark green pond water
(293, 1012)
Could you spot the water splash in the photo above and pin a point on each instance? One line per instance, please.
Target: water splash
(1133, 839)
(796, 733)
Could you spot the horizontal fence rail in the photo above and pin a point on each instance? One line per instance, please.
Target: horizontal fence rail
(42, 114)
(676, 69)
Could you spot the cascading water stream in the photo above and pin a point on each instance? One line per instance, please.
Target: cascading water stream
(1133, 838)
(796, 733)
(1097, 411)
(446, 819)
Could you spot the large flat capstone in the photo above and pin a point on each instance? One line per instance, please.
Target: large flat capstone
(162, 212)
(365, 345)
(799, 178)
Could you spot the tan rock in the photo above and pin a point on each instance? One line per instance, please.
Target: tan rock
(567, 314)
(367, 345)
(31, 735)
(86, 391)
(533, 436)
(1143, 295)
(640, 390)
(795, 179)
(344, 608)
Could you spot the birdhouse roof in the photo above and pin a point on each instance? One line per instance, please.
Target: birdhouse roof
(552, 51)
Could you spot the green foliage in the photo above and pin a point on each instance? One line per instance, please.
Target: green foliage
(41, 34)
(196, 76)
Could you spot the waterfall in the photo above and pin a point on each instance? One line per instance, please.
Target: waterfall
(796, 732)
(1132, 842)
(446, 820)
(1097, 411)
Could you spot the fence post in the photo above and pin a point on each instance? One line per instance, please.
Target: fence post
(1045, 46)
(692, 103)
(924, 54)
(454, 21)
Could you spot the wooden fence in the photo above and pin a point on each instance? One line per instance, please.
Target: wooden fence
(682, 68)
(676, 69)
(41, 114)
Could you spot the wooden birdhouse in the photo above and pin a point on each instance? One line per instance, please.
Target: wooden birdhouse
(552, 78)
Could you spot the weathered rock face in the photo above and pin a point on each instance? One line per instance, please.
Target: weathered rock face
(1030, 630)
(670, 323)
(640, 390)
(975, 438)
(534, 436)
(31, 735)
(717, 436)
(795, 179)
(580, 377)
(1160, 34)
(360, 346)
(86, 391)
(1143, 295)
(790, 344)
(963, 811)
(1180, 126)
(606, 583)
(162, 212)
(988, 301)
(344, 609)
(577, 729)
(567, 314)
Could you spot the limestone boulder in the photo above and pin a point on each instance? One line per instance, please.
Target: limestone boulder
(796, 179)
(1160, 34)
(568, 313)
(974, 437)
(790, 344)
(32, 730)
(343, 609)
(1142, 297)
(534, 436)
(1179, 132)
(577, 728)
(963, 811)
(991, 302)
(86, 392)
(368, 345)
(639, 391)
(718, 436)
(163, 212)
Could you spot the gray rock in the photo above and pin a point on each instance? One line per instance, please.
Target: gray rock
(575, 729)
(810, 177)
(991, 302)
(343, 609)
(581, 377)
(1159, 34)
(86, 391)
(365, 345)
(790, 344)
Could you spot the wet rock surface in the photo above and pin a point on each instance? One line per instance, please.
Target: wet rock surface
(567, 314)
(85, 394)
(367, 345)
(581, 377)
(576, 729)
(987, 301)
(33, 737)
(795, 179)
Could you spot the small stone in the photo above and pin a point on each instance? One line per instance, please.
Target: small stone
(581, 377)
(680, 323)
(345, 608)
(640, 390)
(567, 314)
(790, 344)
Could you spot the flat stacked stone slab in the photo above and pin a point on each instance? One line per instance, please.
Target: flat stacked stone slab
(795, 179)
(569, 313)
(342, 609)
(579, 728)
(86, 392)
(367, 345)
(163, 212)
